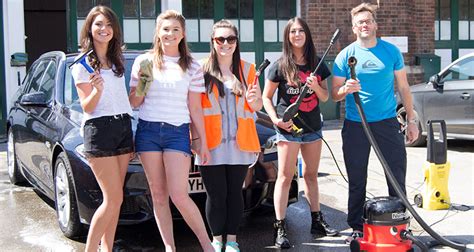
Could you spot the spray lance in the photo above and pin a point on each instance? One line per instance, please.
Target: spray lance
(352, 61)
(82, 60)
(292, 110)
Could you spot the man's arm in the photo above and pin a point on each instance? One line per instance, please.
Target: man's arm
(405, 95)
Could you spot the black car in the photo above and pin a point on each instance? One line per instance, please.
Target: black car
(448, 96)
(45, 149)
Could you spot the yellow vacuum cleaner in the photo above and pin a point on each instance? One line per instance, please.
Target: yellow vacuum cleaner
(435, 194)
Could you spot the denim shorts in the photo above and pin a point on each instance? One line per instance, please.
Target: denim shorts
(305, 138)
(161, 137)
(107, 136)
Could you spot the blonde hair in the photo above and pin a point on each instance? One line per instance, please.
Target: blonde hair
(185, 58)
(363, 7)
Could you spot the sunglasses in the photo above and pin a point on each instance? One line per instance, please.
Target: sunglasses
(230, 40)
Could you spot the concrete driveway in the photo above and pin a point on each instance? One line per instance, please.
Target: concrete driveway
(32, 227)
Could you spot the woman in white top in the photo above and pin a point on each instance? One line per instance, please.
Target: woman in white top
(162, 138)
(107, 128)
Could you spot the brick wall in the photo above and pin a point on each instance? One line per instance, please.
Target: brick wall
(412, 18)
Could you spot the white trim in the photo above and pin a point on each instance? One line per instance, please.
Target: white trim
(298, 8)
(14, 41)
(171, 5)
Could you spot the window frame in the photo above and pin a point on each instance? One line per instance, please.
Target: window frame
(117, 7)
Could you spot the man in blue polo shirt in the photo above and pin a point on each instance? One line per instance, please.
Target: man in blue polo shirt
(379, 65)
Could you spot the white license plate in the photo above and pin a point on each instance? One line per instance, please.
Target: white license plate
(195, 185)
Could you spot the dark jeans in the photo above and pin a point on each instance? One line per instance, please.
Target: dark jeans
(225, 203)
(356, 149)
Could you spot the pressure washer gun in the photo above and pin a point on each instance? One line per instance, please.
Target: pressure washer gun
(352, 62)
(292, 110)
(82, 60)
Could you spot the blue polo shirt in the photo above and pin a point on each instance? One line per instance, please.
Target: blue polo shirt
(375, 71)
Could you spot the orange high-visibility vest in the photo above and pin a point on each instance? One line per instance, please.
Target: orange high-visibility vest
(247, 138)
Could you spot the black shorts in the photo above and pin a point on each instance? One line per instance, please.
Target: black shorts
(108, 136)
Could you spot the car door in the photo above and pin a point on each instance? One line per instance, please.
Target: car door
(40, 126)
(454, 101)
(22, 121)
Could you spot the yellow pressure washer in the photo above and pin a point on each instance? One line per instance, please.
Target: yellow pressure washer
(435, 193)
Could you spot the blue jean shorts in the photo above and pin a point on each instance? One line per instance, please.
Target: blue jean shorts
(161, 137)
(305, 138)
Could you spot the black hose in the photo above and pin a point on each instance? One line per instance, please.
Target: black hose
(395, 184)
(407, 235)
(352, 61)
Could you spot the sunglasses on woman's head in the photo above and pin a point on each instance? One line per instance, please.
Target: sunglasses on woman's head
(230, 40)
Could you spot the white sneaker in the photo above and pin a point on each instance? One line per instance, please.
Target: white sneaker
(232, 247)
(217, 245)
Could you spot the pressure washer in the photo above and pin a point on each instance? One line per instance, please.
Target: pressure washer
(436, 171)
(81, 59)
(386, 223)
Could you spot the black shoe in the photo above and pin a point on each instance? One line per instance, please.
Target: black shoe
(281, 241)
(320, 227)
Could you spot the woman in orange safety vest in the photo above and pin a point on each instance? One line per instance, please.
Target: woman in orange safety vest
(229, 106)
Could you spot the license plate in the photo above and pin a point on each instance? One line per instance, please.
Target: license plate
(195, 185)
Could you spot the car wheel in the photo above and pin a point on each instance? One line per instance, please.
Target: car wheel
(65, 199)
(402, 119)
(13, 172)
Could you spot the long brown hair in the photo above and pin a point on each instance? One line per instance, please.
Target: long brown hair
(287, 64)
(185, 58)
(115, 46)
(212, 72)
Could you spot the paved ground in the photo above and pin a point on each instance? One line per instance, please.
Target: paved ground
(32, 227)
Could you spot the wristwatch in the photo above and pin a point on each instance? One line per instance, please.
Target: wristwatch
(413, 121)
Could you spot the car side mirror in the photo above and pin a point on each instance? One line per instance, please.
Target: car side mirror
(34, 99)
(436, 82)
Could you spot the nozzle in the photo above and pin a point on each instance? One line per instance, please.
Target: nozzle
(82, 60)
(352, 61)
(335, 36)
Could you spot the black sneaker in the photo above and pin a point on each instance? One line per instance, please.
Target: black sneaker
(355, 234)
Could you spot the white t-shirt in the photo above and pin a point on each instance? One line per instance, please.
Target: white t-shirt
(114, 97)
(167, 97)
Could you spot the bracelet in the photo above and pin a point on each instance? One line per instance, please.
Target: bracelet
(195, 138)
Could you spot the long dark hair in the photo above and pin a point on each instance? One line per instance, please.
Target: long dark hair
(287, 64)
(115, 46)
(212, 72)
(185, 58)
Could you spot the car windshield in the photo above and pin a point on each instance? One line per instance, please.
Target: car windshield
(71, 98)
(463, 70)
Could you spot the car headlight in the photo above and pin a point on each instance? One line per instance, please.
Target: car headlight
(271, 142)
(80, 150)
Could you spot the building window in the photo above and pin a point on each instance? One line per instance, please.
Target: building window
(466, 19)
(136, 17)
(199, 19)
(83, 8)
(276, 15)
(240, 12)
(139, 20)
(443, 20)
